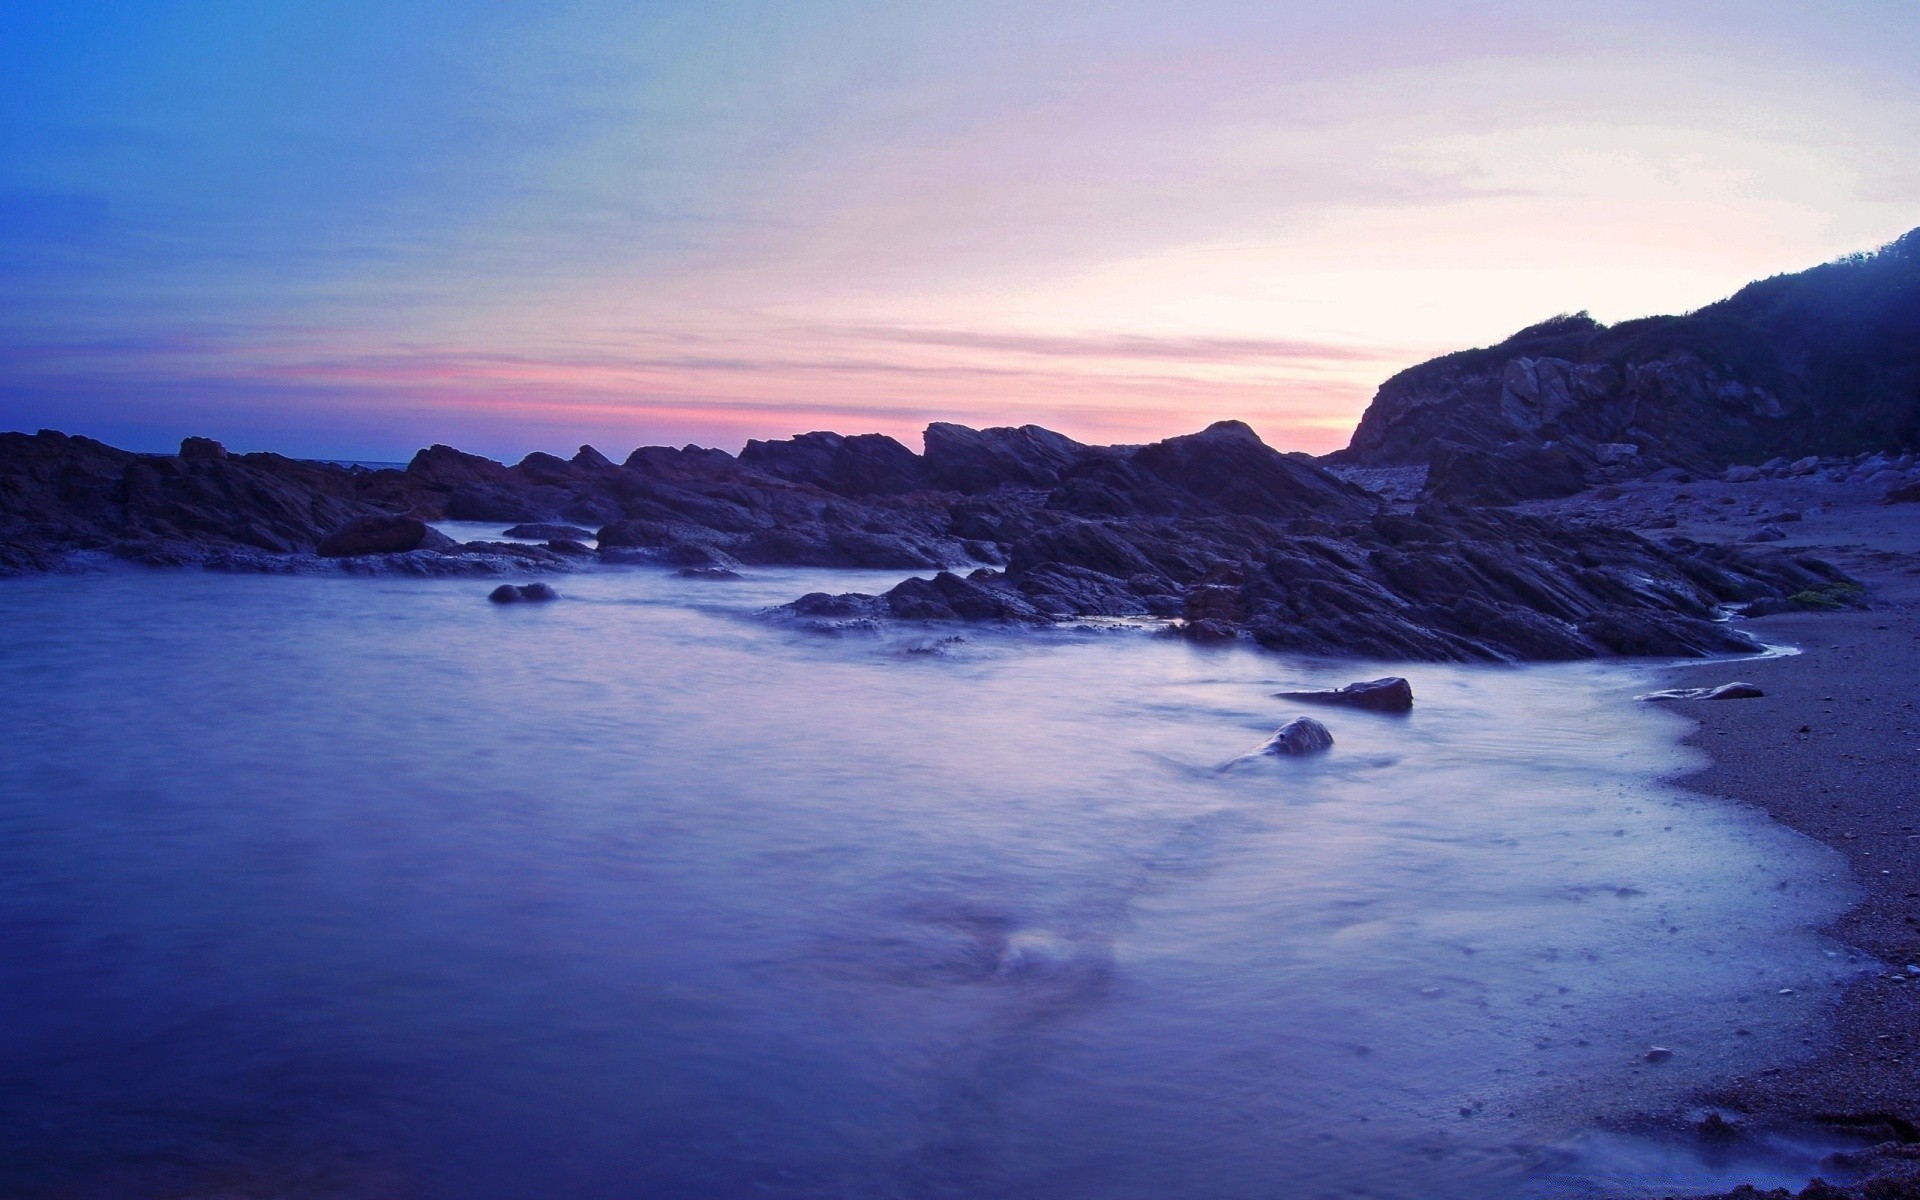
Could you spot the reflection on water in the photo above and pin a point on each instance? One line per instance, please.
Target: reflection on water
(347, 887)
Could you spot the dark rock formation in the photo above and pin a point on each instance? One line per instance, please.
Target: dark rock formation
(381, 534)
(1441, 583)
(960, 459)
(1227, 465)
(1508, 475)
(1214, 530)
(867, 464)
(536, 593)
(1392, 694)
(1302, 735)
(1823, 362)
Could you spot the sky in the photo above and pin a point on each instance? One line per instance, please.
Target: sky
(349, 230)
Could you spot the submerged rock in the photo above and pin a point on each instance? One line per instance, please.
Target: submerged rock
(508, 593)
(547, 532)
(1302, 735)
(1726, 691)
(1392, 694)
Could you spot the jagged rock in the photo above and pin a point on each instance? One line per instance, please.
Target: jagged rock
(200, 449)
(382, 535)
(1508, 475)
(589, 459)
(961, 459)
(1302, 735)
(863, 465)
(1392, 694)
(443, 465)
(1228, 465)
(948, 597)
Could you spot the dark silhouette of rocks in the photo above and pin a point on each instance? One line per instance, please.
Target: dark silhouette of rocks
(1823, 362)
(532, 593)
(868, 464)
(1214, 530)
(1302, 735)
(382, 534)
(1392, 694)
(972, 461)
(1508, 475)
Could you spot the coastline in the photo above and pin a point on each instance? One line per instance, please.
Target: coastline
(1833, 751)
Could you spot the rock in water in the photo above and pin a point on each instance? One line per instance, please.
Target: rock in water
(1726, 691)
(381, 535)
(1392, 694)
(545, 532)
(508, 593)
(1302, 735)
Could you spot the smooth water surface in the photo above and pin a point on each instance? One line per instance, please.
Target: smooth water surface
(344, 887)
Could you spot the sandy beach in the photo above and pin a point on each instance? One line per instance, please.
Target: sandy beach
(1832, 750)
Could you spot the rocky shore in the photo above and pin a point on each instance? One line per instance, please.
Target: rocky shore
(1215, 533)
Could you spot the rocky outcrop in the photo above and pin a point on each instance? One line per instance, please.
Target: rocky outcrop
(1825, 362)
(1508, 475)
(1441, 583)
(972, 461)
(868, 464)
(1215, 533)
(1392, 694)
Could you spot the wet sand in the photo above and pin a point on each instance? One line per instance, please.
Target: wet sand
(1831, 750)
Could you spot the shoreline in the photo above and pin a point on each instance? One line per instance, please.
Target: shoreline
(1832, 751)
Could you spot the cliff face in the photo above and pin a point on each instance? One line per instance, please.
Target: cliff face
(1826, 361)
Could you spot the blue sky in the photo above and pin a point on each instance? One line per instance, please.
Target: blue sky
(356, 228)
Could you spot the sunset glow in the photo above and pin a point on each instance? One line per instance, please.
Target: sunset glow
(353, 232)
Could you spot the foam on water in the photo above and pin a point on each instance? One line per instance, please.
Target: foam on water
(340, 887)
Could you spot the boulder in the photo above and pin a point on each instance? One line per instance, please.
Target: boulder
(1392, 694)
(535, 593)
(1906, 493)
(1742, 474)
(382, 535)
(1302, 735)
(200, 449)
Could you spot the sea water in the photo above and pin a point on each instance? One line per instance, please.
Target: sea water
(365, 887)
